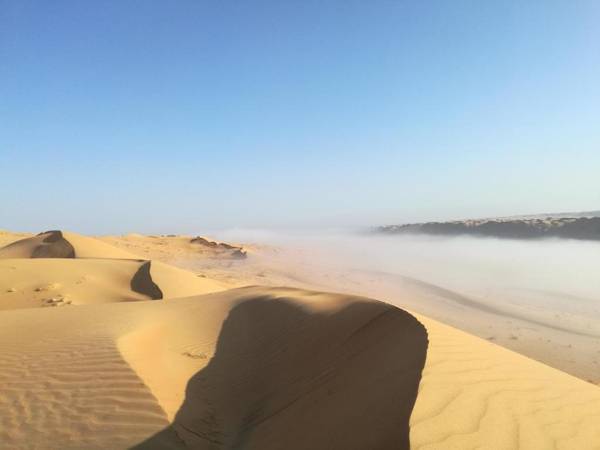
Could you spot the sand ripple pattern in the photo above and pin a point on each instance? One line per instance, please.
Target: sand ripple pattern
(475, 395)
(82, 395)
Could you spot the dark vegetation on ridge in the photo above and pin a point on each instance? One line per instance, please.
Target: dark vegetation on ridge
(585, 228)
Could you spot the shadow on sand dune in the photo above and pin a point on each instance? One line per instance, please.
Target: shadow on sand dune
(283, 377)
(142, 282)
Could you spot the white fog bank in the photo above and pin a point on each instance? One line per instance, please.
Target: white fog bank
(567, 270)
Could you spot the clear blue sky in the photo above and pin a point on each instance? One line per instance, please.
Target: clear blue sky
(154, 116)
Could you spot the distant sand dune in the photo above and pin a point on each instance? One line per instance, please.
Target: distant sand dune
(60, 269)
(175, 248)
(62, 244)
(50, 244)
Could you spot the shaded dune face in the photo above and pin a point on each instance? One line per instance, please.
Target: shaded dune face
(284, 377)
(49, 244)
(54, 245)
(143, 284)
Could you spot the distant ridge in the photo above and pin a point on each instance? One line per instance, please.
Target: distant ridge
(562, 215)
(582, 225)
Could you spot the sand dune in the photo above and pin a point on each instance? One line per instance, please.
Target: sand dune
(475, 394)
(8, 237)
(272, 368)
(65, 269)
(254, 367)
(174, 248)
(62, 244)
(29, 283)
(50, 244)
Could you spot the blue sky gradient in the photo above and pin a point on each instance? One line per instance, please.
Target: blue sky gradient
(180, 116)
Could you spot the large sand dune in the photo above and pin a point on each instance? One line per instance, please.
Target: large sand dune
(271, 368)
(252, 368)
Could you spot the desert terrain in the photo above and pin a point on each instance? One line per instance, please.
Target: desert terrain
(158, 342)
(536, 298)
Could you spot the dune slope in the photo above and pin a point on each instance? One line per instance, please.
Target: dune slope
(30, 283)
(50, 244)
(292, 369)
(475, 394)
(61, 268)
(258, 368)
(274, 368)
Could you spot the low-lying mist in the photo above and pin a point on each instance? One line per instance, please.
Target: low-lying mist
(543, 280)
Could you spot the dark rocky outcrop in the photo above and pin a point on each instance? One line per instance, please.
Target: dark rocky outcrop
(585, 228)
(233, 251)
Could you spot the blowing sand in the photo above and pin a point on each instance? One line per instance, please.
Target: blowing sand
(254, 367)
